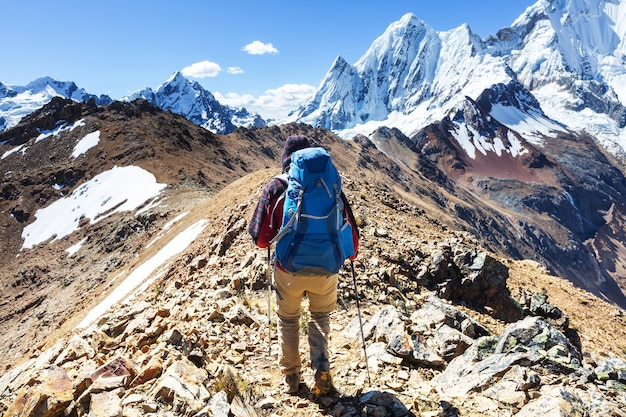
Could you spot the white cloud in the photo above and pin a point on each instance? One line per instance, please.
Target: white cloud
(202, 69)
(234, 70)
(259, 48)
(272, 104)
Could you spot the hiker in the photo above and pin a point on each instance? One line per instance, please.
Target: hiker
(320, 288)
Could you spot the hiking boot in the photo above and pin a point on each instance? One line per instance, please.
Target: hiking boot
(292, 383)
(323, 383)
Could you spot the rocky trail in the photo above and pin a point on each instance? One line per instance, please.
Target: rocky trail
(450, 331)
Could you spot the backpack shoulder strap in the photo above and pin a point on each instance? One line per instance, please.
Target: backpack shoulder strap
(284, 179)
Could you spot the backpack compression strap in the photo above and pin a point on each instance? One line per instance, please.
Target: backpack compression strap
(286, 228)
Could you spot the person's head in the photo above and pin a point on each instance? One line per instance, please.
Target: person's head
(292, 144)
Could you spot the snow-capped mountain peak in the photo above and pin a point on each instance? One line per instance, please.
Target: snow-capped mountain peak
(18, 101)
(177, 83)
(188, 98)
(569, 55)
(394, 42)
(572, 60)
(406, 79)
(582, 37)
(177, 94)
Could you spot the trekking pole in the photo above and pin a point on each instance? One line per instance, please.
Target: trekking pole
(358, 308)
(269, 303)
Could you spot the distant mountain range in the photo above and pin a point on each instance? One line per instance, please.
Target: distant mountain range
(569, 56)
(16, 102)
(177, 94)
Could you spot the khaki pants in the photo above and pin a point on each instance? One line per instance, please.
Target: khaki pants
(322, 294)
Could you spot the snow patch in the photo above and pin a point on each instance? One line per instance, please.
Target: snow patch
(141, 274)
(14, 150)
(71, 251)
(533, 128)
(464, 139)
(86, 143)
(166, 227)
(62, 126)
(118, 189)
(471, 141)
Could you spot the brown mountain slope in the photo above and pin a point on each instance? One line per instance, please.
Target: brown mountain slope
(223, 261)
(549, 202)
(405, 219)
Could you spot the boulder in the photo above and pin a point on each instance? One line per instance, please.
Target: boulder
(47, 396)
(182, 386)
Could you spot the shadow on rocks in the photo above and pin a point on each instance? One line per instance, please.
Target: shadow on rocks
(371, 403)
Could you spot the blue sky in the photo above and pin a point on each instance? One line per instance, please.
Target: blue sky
(251, 53)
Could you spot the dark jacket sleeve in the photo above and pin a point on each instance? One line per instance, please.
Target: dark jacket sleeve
(355, 229)
(266, 221)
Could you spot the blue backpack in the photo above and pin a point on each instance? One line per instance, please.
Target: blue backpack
(314, 238)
